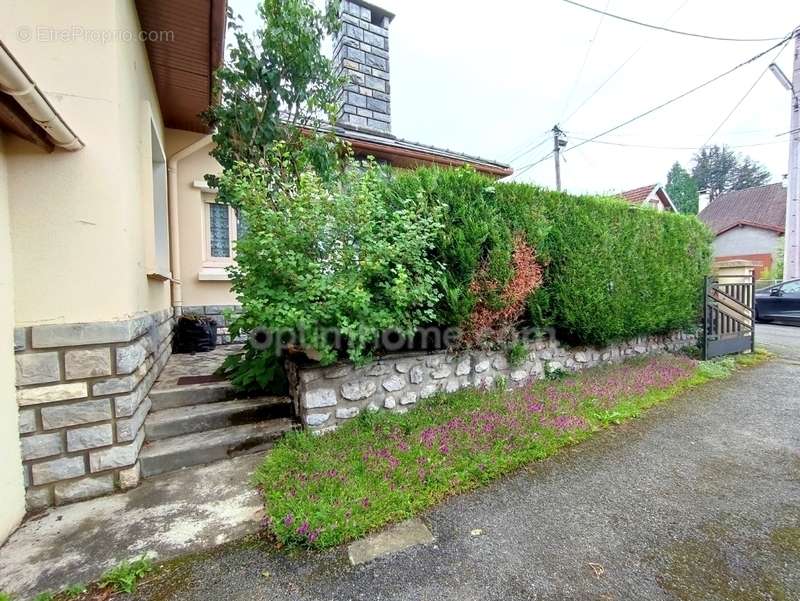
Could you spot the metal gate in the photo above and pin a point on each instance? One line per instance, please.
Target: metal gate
(729, 315)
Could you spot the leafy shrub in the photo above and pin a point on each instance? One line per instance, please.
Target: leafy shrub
(341, 256)
(481, 225)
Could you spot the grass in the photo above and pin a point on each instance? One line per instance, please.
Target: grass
(124, 576)
(385, 467)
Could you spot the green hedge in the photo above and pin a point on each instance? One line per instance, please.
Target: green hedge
(618, 271)
(613, 271)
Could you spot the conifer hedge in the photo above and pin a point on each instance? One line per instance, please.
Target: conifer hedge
(611, 270)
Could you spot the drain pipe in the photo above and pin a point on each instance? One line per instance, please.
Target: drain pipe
(174, 229)
(15, 82)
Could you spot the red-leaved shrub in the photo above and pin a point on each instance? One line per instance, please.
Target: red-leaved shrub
(488, 322)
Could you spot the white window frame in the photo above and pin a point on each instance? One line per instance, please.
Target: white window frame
(160, 268)
(214, 268)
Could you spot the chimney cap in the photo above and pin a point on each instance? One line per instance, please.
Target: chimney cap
(376, 10)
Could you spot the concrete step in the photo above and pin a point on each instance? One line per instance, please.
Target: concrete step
(194, 394)
(212, 416)
(174, 453)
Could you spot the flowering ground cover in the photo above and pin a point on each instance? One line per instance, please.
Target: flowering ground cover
(385, 467)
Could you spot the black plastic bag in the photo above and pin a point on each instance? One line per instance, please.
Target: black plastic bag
(195, 334)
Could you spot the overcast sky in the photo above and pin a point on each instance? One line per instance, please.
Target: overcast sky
(491, 78)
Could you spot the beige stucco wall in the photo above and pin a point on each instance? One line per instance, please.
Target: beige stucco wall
(196, 292)
(82, 226)
(11, 484)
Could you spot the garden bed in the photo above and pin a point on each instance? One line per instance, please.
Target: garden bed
(384, 467)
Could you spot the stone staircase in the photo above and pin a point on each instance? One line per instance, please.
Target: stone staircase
(201, 423)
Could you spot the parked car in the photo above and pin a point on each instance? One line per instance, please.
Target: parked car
(779, 303)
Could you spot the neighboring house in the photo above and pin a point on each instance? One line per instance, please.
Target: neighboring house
(654, 196)
(208, 230)
(107, 228)
(748, 224)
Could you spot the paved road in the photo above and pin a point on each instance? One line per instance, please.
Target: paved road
(781, 340)
(698, 500)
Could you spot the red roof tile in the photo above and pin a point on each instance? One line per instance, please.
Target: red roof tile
(762, 207)
(637, 195)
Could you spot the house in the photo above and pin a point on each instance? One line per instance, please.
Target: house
(208, 230)
(748, 225)
(107, 229)
(653, 195)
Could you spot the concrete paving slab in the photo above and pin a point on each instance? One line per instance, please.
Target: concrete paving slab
(397, 538)
(182, 512)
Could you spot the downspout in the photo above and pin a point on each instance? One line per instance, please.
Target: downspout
(174, 229)
(15, 82)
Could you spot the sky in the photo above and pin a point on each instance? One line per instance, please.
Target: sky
(492, 78)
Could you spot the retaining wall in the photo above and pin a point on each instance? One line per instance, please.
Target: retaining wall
(325, 397)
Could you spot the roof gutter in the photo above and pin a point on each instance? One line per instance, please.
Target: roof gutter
(15, 82)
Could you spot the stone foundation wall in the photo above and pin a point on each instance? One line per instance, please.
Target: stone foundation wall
(217, 313)
(82, 396)
(325, 397)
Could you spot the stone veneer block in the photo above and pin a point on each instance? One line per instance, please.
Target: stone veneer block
(90, 437)
(128, 428)
(119, 456)
(37, 368)
(130, 477)
(79, 334)
(85, 488)
(19, 339)
(116, 385)
(84, 412)
(317, 419)
(37, 498)
(130, 357)
(57, 469)
(41, 445)
(51, 394)
(27, 421)
(323, 397)
(87, 363)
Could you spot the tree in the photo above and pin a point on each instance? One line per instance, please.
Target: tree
(277, 86)
(682, 189)
(720, 170)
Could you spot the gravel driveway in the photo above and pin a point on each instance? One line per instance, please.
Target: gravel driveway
(698, 500)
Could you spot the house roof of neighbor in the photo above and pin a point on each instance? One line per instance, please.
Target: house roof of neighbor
(651, 192)
(761, 207)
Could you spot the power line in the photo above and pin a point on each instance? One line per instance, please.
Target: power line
(683, 95)
(667, 29)
(618, 69)
(532, 165)
(530, 148)
(744, 97)
(585, 59)
(654, 147)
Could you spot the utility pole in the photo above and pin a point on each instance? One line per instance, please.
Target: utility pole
(791, 255)
(558, 143)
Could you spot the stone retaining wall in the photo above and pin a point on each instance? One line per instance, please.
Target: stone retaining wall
(217, 313)
(82, 396)
(327, 396)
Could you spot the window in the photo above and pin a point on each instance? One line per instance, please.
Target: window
(219, 230)
(160, 267)
(792, 288)
(223, 225)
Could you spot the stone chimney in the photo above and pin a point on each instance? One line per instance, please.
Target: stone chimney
(361, 55)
